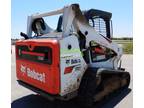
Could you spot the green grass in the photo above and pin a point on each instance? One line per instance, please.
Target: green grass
(127, 45)
(128, 48)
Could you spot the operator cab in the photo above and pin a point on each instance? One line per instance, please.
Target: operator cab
(100, 20)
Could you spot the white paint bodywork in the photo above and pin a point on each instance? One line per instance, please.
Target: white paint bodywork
(69, 81)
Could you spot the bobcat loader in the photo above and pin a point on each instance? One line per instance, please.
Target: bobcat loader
(77, 59)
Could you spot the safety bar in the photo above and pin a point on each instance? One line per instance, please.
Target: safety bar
(48, 13)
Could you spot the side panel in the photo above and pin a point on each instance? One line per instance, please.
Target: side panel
(43, 75)
(72, 65)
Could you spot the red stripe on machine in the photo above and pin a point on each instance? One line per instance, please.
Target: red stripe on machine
(68, 69)
(32, 53)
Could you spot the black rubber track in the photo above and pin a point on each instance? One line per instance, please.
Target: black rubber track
(88, 87)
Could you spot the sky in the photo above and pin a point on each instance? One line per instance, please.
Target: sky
(122, 13)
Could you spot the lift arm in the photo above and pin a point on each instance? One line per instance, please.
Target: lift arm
(73, 16)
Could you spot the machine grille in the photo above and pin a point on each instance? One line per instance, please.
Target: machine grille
(40, 54)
